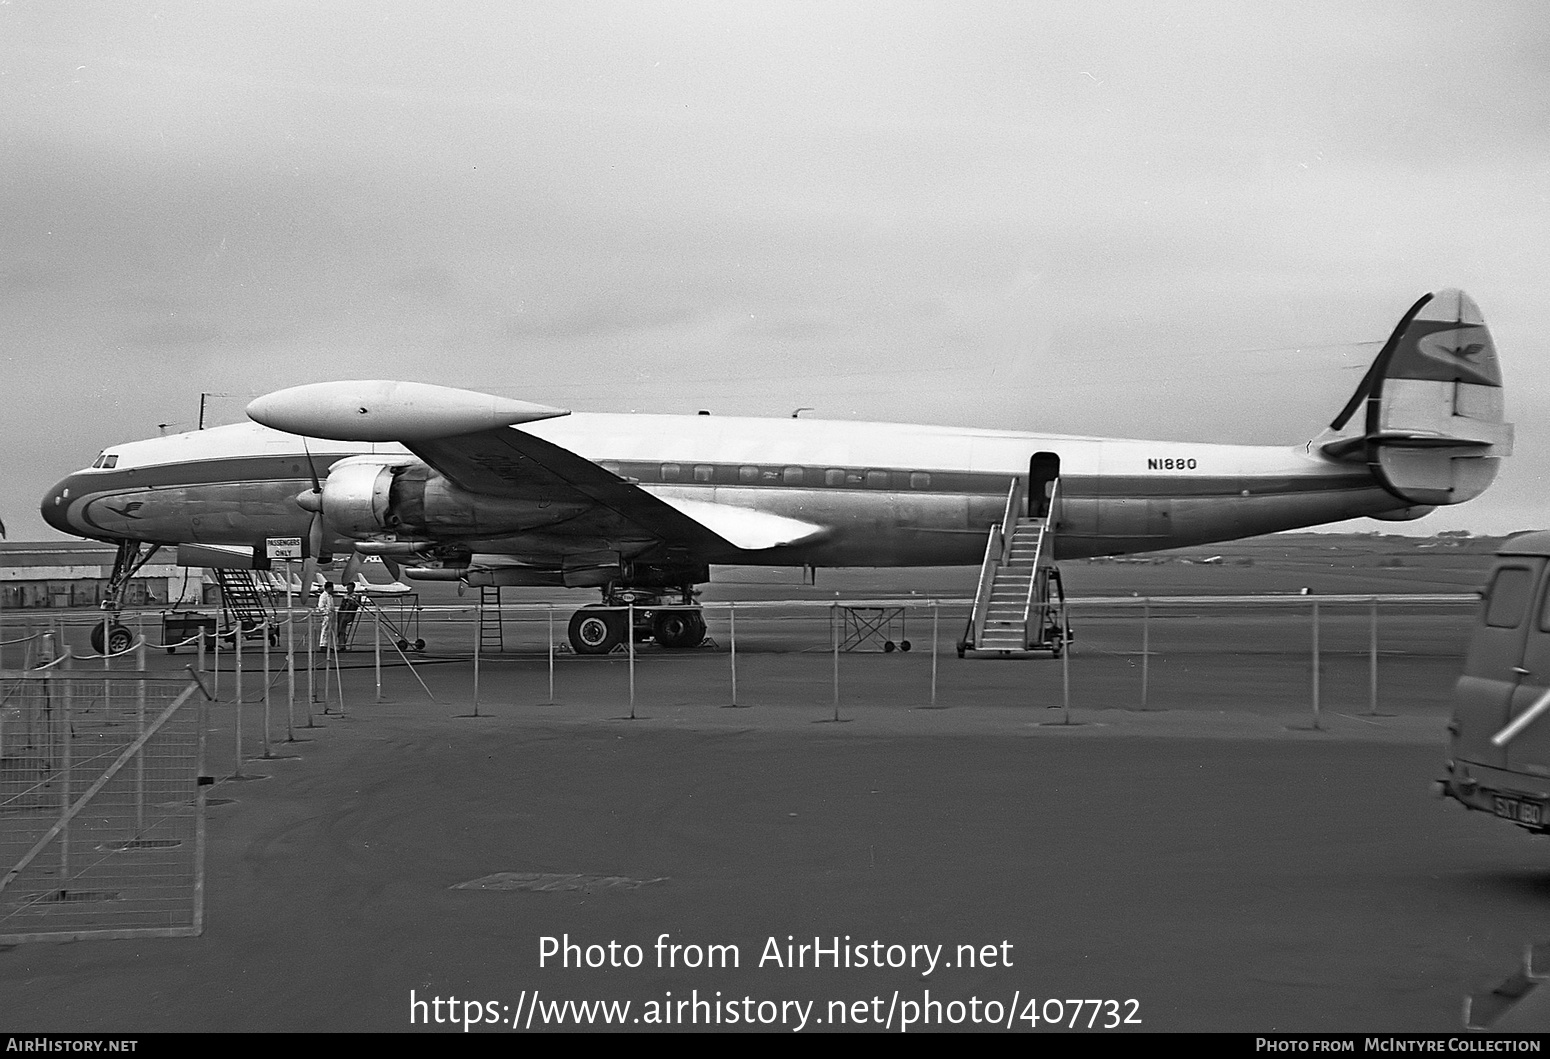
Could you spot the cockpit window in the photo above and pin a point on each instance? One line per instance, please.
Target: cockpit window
(98, 461)
(109, 462)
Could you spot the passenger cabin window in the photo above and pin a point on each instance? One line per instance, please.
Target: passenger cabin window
(671, 472)
(1507, 600)
(611, 467)
(834, 476)
(747, 474)
(920, 480)
(877, 479)
(792, 476)
(704, 472)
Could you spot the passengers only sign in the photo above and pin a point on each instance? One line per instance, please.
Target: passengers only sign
(283, 547)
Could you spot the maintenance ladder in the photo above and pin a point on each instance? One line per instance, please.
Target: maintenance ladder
(491, 637)
(1019, 605)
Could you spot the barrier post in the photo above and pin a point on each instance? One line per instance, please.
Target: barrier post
(237, 639)
(107, 646)
(267, 753)
(1315, 663)
(629, 638)
(376, 642)
(290, 659)
(732, 641)
(215, 661)
(201, 648)
(312, 684)
(1372, 659)
(1146, 647)
(64, 789)
(478, 622)
(140, 731)
(551, 654)
(1065, 667)
(834, 639)
(936, 614)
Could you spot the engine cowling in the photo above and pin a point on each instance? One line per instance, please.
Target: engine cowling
(356, 499)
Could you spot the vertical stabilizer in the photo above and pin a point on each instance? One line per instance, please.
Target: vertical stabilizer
(1435, 428)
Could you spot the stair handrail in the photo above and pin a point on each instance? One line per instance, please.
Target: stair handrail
(976, 626)
(1015, 502)
(1038, 560)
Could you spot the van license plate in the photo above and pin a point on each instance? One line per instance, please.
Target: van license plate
(1518, 810)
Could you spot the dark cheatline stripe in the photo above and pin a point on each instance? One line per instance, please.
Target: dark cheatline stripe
(271, 468)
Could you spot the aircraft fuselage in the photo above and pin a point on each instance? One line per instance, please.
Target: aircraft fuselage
(885, 494)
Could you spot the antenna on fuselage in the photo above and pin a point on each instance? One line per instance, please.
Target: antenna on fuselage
(202, 397)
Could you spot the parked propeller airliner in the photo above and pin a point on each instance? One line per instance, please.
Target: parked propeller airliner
(448, 484)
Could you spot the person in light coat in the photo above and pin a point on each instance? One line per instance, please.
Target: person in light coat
(328, 636)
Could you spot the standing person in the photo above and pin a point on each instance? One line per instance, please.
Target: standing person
(328, 635)
(349, 607)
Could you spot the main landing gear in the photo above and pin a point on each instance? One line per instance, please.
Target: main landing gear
(598, 629)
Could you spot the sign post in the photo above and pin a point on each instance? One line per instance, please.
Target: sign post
(288, 550)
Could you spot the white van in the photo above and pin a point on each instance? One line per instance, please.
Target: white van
(1500, 748)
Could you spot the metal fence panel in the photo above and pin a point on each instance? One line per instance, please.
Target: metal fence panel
(101, 808)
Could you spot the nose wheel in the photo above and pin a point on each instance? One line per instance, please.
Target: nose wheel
(119, 638)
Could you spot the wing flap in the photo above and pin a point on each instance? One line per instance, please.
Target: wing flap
(745, 527)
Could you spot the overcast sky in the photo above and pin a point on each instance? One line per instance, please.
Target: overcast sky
(1180, 221)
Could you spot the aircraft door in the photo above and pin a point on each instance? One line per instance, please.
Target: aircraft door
(1043, 469)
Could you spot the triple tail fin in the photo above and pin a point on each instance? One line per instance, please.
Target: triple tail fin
(1434, 428)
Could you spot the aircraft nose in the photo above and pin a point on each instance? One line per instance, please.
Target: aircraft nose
(56, 506)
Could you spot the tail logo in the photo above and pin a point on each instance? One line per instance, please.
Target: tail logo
(1447, 351)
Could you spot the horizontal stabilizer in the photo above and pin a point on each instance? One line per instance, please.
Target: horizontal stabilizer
(743, 527)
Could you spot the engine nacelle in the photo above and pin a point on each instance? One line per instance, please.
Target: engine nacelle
(366, 497)
(355, 499)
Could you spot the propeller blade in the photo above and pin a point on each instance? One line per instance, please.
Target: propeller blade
(317, 487)
(395, 571)
(314, 555)
(352, 568)
(309, 574)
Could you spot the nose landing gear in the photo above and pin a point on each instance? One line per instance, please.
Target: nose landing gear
(108, 636)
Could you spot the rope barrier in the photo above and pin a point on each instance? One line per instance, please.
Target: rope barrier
(23, 639)
(172, 646)
(68, 653)
(116, 654)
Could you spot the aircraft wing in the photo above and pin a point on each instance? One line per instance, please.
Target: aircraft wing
(508, 462)
(474, 441)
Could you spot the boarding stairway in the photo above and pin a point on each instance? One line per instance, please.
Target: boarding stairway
(1019, 607)
(246, 605)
